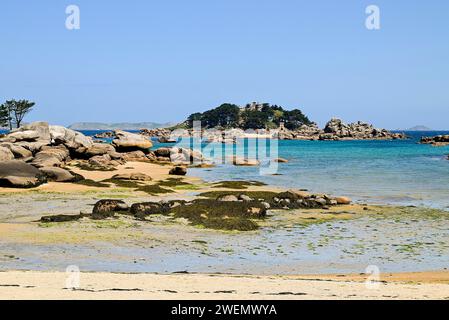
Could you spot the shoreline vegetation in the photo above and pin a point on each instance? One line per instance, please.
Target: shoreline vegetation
(107, 188)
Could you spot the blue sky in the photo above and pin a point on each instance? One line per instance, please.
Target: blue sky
(162, 60)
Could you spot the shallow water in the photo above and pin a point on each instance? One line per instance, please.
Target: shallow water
(398, 172)
(392, 172)
(395, 243)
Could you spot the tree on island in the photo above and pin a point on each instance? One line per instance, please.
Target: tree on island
(12, 112)
(252, 116)
(226, 116)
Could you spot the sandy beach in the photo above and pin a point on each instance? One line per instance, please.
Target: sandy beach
(52, 285)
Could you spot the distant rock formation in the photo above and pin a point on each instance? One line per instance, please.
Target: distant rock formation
(437, 141)
(336, 129)
(118, 126)
(419, 128)
(155, 132)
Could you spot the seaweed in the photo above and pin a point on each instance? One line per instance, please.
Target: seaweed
(172, 182)
(92, 183)
(237, 184)
(123, 183)
(220, 215)
(153, 189)
(61, 218)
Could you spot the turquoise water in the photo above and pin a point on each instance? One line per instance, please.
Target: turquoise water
(400, 172)
(393, 172)
(388, 172)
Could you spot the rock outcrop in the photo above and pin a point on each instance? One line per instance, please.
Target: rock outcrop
(176, 155)
(336, 129)
(50, 148)
(157, 132)
(18, 174)
(437, 141)
(6, 154)
(178, 171)
(126, 141)
(58, 174)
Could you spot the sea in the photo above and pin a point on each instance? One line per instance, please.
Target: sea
(376, 172)
(397, 172)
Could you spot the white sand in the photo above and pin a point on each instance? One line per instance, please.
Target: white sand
(51, 285)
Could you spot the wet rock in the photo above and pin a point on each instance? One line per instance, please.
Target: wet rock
(241, 161)
(256, 211)
(166, 139)
(146, 208)
(61, 218)
(18, 174)
(437, 141)
(109, 205)
(281, 160)
(162, 152)
(178, 171)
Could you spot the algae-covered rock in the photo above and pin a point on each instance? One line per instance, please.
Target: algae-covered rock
(109, 205)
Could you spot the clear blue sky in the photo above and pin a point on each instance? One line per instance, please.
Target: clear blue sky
(162, 60)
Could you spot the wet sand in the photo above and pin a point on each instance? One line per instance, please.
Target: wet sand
(52, 285)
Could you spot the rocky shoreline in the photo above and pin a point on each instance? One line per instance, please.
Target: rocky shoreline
(436, 141)
(38, 152)
(334, 130)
